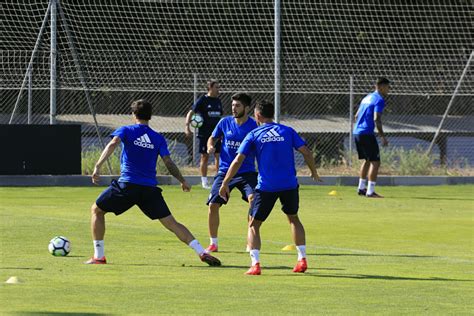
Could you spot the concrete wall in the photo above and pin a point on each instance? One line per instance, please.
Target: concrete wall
(80, 181)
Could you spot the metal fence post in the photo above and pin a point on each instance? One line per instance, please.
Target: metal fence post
(351, 117)
(52, 100)
(195, 130)
(277, 59)
(30, 93)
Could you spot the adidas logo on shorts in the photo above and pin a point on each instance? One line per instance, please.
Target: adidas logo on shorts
(272, 136)
(144, 141)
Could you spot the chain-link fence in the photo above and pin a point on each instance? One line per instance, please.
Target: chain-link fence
(111, 54)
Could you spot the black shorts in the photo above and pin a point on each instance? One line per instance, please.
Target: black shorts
(120, 196)
(245, 182)
(203, 144)
(367, 147)
(263, 203)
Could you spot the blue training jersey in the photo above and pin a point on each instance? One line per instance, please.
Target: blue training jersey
(373, 102)
(211, 111)
(232, 136)
(274, 146)
(140, 149)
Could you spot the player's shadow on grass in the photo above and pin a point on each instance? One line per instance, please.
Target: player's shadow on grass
(60, 313)
(370, 255)
(289, 253)
(384, 277)
(230, 266)
(15, 268)
(438, 198)
(293, 253)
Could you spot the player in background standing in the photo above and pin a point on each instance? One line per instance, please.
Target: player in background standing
(232, 131)
(367, 117)
(141, 146)
(209, 106)
(274, 145)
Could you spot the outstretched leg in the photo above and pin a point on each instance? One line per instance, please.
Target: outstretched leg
(178, 229)
(185, 236)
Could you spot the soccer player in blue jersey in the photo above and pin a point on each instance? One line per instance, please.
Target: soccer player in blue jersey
(274, 145)
(209, 106)
(137, 183)
(232, 131)
(367, 117)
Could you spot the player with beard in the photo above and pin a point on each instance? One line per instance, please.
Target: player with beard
(231, 131)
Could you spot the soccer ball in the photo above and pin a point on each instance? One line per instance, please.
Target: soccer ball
(196, 120)
(59, 246)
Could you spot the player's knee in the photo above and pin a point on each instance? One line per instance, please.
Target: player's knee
(250, 198)
(214, 208)
(293, 218)
(95, 210)
(254, 223)
(376, 164)
(169, 222)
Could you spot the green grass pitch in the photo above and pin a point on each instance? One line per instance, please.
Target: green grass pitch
(410, 253)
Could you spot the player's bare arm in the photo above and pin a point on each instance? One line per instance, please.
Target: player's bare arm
(224, 191)
(356, 115)
(108, 150)
(378, 124)
(308, 158)
(210, 145)
(174, 171)
(187, 129)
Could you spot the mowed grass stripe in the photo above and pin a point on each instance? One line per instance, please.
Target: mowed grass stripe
(410, 253)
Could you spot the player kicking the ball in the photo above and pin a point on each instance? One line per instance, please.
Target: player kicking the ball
(273, 144)
(232, 130)
(137, 183)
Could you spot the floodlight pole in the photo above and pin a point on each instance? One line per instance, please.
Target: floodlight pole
(277, 60)
(435, 137)
(30, 64)
(52, 90)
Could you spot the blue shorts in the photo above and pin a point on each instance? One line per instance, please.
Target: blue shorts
(121, 196)
(245, 182)
(367, 147)
(263, 203)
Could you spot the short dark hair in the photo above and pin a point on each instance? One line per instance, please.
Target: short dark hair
(211, 83)
(265, 108)
(243, 98)
(142, 109)
(382, 81)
